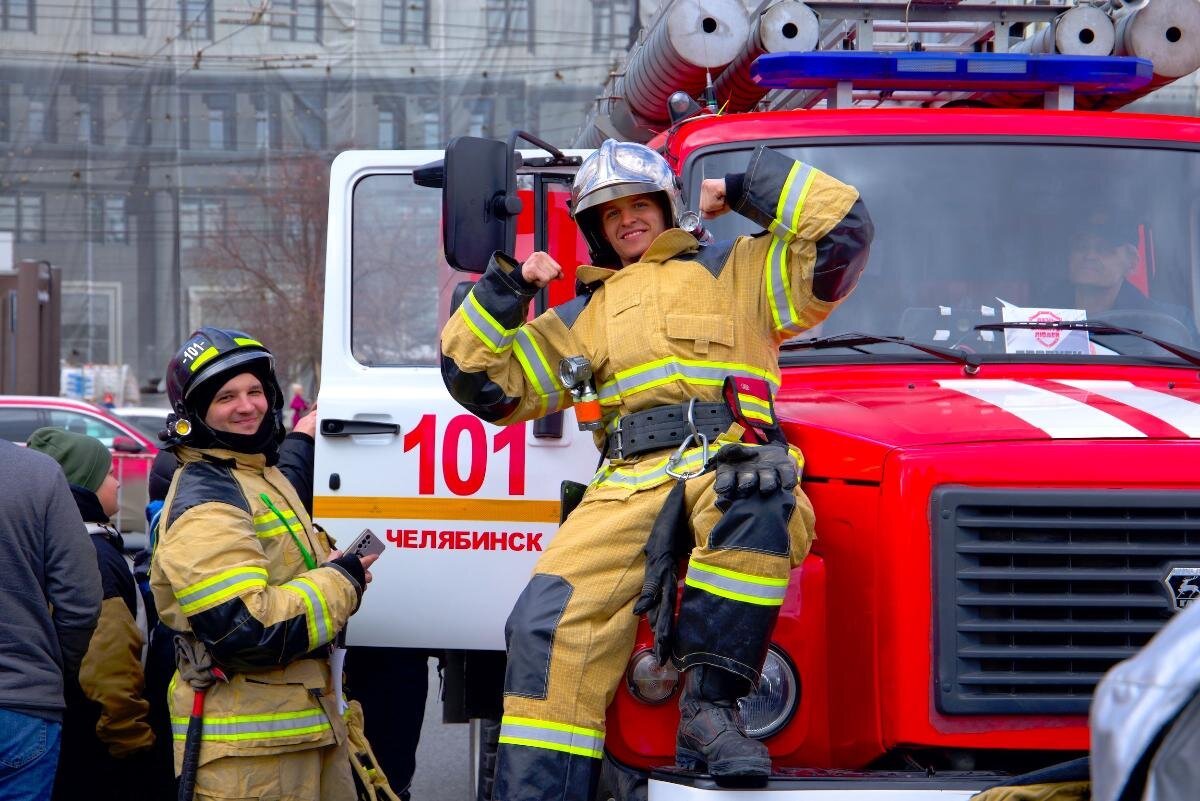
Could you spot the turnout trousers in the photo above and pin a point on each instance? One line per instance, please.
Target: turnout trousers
(572, 629)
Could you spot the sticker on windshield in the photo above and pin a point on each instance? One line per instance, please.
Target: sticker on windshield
(1034, 340)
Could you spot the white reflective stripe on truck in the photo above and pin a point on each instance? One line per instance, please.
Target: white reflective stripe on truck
(671, 791)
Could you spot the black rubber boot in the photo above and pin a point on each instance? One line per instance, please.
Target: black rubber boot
(711, 735)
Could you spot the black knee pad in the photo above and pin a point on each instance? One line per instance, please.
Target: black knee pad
(529, 634)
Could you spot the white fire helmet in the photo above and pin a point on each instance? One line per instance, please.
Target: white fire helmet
(620, 169)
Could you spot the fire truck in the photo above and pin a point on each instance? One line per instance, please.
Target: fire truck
(998, 424)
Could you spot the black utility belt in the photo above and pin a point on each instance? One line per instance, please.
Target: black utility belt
(666, 427)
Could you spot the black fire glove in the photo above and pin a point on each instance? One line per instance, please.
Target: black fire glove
(743, 470)
(669, 540)
(657, 602)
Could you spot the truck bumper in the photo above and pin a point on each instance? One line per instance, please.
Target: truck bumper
(669, 785)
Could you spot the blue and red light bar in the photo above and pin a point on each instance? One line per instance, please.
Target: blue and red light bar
(1011, 72)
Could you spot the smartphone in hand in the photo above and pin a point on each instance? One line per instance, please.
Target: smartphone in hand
(366, 544)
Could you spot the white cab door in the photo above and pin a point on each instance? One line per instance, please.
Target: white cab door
(465, 507)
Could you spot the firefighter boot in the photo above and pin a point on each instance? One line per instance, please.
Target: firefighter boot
(710, 726)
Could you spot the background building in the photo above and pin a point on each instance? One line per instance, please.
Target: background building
(171, 155)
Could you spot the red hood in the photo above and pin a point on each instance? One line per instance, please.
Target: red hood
(845, 418)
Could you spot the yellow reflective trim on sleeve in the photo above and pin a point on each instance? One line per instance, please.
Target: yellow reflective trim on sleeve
(781, 204)
(544, 381)
(473, 314)
(793, 316)
(808, 182)
(310, 615)
(487, 317)
(204, 356)
(219, 588)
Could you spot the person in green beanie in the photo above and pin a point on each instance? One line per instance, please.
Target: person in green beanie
(107, 739)
(85, 462)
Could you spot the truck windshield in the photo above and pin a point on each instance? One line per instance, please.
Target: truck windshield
(969, 234)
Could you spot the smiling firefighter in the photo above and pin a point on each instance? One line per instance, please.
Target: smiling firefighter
(682, 342)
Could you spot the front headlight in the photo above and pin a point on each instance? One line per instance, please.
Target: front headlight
(769, 708)
(649, 681)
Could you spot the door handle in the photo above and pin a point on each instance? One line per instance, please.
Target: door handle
(332, 427)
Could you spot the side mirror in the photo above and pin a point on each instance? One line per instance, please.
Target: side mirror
(123, 444)
(479, 201)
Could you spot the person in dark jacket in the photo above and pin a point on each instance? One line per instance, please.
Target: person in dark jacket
(48, 610)
(106, 731)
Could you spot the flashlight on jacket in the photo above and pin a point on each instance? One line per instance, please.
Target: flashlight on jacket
(576, 375)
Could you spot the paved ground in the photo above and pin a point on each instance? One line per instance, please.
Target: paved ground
(443, 755)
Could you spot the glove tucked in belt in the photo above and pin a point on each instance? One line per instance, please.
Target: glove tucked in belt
(665, 427)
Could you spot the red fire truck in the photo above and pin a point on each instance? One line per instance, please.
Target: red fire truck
(997, 425)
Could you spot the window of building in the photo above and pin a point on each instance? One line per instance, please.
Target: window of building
(91, 327)
(262, 129)
(405, 22)
(216, 129)
(387, 130)
(510, 22)
(308, 111)
(201, 220)
(267, 133)
(122, 17)
(196, 19)
(135, 109)
(431, 123)
(17, 15)
(296, 20)
(5, 114)
(90, 118)
(610, 24)
(221, 121)
(21, 214)
(109, 219)
(36, 118)
(481, 111)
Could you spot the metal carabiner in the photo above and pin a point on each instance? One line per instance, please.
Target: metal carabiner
(693, 437)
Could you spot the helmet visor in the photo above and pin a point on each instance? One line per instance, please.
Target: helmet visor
(603, 194)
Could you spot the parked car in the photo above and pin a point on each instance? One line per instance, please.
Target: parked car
(149, 419)
(133, 452)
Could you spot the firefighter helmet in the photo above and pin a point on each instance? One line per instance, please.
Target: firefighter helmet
(209, 358)
(620, 169)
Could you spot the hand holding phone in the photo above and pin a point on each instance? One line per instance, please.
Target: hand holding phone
(366, 544)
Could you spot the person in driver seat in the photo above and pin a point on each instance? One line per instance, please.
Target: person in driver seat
(1102, 259)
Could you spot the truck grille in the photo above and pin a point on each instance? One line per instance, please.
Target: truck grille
(1039, 592)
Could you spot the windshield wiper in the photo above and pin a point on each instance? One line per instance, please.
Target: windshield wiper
(854, 340)
(1099, 328)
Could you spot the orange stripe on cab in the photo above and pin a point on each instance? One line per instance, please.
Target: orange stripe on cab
(499, 509)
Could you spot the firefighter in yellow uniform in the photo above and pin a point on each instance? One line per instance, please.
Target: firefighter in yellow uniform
(683, 342)
(240, 572)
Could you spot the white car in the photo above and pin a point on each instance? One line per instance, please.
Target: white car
(148, 419)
